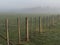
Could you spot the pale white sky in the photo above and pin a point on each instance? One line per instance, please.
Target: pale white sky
(18, 4)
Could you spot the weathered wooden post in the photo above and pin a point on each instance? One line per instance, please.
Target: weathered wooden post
(27, 32)
(19, 36)
(35, 25)
(7, 32)
(30, 26)
(53, 20)
(48, 21)
(40, 25)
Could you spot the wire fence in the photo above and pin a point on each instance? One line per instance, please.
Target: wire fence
(24, 29)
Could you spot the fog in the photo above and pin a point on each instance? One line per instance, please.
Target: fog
(20, 4)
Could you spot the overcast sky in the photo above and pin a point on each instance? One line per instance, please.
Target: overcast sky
(18, 4)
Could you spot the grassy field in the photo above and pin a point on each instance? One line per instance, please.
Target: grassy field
(49, 36)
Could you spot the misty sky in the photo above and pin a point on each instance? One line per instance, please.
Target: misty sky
(18, 4)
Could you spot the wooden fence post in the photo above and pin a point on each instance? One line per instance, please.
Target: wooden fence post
(7, 32)
(53, 20)
(48, 21)
(40, 25)
(35, 25)
(27, 32)
(19, 36)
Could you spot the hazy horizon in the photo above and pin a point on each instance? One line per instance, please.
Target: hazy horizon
(30, 6)
(20, 4)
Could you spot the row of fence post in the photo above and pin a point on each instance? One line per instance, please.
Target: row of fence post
(27, 31)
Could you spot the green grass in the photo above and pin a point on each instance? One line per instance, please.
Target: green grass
(50, 35)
